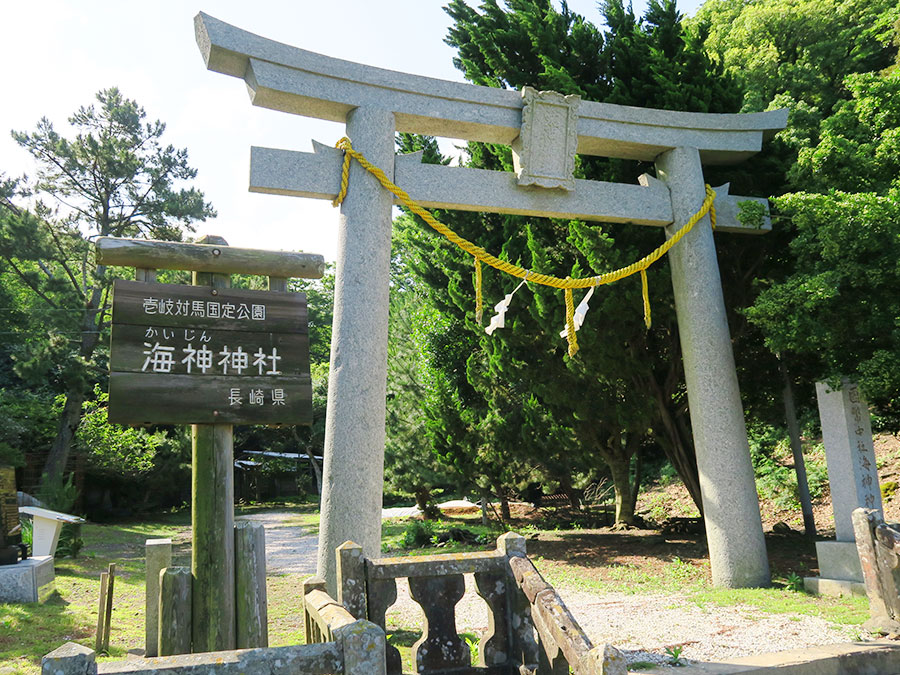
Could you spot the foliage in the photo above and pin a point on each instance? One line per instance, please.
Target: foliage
(112, 448)
(674, 654)
(411, 467)
(320, 307)
(418, 534)
(801, 48)
(28, 422)
(509, 409)
(58, 493)
(113, 177)
(823, 281)
(842, 301)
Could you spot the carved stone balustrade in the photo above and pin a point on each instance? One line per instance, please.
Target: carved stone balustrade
(520, 605)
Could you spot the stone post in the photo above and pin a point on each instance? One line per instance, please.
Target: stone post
(852, 475)
(354, 431)
(70, 659)
(158, 556)
(849, 454)
(362, 643)
(737, 549)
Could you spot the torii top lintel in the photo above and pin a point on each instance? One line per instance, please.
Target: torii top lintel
(286, 78)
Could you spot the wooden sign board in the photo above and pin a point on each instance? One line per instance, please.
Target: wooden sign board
(203, 355)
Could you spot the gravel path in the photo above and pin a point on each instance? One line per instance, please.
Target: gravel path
(641, 625)
(290, 547)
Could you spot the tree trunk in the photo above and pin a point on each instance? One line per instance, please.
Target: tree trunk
(638, 475)
(75, 396)
(317, 470)
(790, 413)
(58, 457)
(620, 467)
(504, 502)
(679, 447)
(425, 503)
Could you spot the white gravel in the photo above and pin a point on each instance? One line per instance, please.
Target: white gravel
(641, 625)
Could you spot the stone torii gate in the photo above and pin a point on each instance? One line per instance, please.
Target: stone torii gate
(545, 131)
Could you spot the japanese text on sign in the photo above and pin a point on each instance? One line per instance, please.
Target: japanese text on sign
(203, 309)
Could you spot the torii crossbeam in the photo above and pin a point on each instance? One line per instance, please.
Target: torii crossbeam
(545, 131)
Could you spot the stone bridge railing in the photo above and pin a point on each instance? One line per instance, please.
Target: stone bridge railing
(530, 630)
(345, 646)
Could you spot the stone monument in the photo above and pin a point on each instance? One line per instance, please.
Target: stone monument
(544, 130)
(853, 479)
(22, 578)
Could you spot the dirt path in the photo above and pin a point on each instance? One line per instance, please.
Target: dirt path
(642, 625)
(290, 548)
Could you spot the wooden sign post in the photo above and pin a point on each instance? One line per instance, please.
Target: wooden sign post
(210, 356)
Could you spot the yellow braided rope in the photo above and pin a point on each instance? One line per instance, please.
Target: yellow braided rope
(481, 255)
(570, 323)
(478, 301)
(645, 293)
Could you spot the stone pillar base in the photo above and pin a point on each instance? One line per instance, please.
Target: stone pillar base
(839, 560)
(30, 580)
(839, 568)
(835, 588)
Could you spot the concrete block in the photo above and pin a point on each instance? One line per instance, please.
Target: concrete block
(835, 588)
(70, 659)
(30, 580)
(839, 560)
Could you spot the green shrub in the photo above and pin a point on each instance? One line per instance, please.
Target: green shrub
(418, 534)
(816, 476)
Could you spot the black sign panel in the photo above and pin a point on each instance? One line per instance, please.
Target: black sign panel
(202, 355)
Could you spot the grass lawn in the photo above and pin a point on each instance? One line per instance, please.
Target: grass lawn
(595, 560)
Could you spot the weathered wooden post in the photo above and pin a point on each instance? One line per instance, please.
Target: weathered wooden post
(211, 358)
(175, 613)
(251, 604)
(158, 556)
(212, 517)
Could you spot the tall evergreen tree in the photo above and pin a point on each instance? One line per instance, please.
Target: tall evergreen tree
(624, 385)
(114, 177)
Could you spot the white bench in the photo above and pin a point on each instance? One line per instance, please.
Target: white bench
(47, 526)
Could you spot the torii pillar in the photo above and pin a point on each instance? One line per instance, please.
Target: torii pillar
(545, 131)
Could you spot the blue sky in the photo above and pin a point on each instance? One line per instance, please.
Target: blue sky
(59, 54)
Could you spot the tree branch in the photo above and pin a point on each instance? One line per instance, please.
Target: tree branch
(30, 285)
